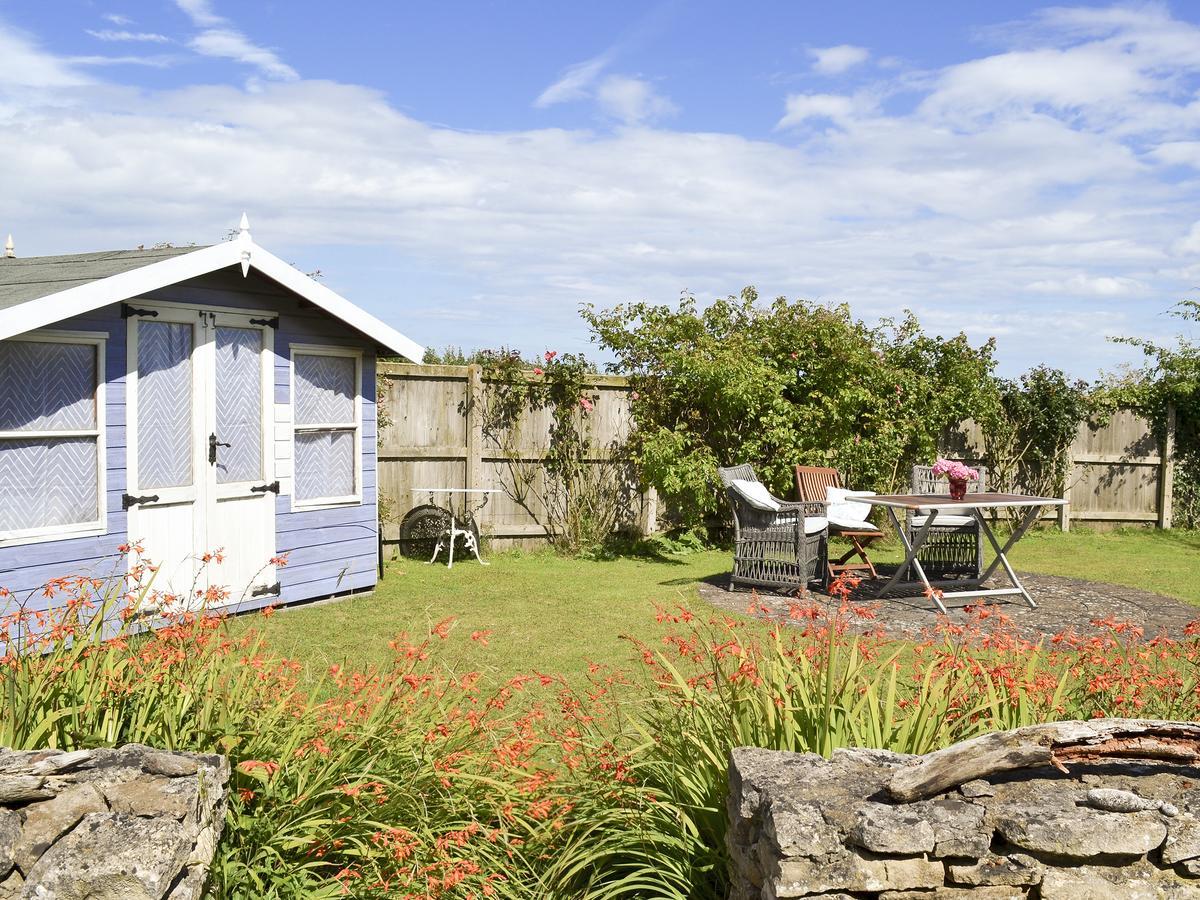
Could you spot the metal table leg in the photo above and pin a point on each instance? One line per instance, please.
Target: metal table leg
(1031, 516)
(910, 556)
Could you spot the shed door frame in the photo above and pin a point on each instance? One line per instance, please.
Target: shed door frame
(205, 491)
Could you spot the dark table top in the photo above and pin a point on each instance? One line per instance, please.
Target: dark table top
(971, 501)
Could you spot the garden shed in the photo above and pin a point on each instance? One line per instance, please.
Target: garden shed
(187, 400)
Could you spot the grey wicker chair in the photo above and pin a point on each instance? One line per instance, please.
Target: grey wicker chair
(771, 549)
(950, 550)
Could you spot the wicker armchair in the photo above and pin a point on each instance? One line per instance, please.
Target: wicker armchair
(771, 549)
(954, 548)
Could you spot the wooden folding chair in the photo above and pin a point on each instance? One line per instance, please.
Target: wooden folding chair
(811, 482)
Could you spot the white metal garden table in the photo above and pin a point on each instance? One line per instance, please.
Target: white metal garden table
(930, 505)
(471, 502)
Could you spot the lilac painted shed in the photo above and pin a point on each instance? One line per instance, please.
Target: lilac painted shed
(187, 400)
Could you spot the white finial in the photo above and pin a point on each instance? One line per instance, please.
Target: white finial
(9, 251)
(245, 241)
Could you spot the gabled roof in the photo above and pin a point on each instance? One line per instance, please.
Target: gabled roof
(41, 290)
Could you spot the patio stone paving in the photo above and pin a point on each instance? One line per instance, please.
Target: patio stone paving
(1062, 603)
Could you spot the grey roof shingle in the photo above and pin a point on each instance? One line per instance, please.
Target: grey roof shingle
(28, 278)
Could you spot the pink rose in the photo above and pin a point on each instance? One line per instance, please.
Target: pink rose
(537, 370)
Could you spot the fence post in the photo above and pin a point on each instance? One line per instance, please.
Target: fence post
(474, 407)
(649, 518)
(1166, 471)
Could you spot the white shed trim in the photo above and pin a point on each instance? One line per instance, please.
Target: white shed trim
(47, 310)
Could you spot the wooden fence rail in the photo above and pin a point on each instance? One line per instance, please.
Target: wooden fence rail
(431, 435)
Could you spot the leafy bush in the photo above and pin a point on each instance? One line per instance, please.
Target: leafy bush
(1027, 439)
(787, 383)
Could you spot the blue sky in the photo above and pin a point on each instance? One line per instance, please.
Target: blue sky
(471, 172)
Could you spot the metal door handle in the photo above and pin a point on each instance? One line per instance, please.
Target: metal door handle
(213, 444)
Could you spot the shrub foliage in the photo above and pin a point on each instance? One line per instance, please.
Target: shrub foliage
(785, 383)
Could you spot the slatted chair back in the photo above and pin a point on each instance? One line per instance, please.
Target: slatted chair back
(925, 482)
(811, 482)
(950, 550)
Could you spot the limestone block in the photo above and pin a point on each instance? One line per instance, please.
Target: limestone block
(1183, 839)
(154, 795)
(1082, 833)
(892, 829)
(1140, 881)
(1013, 869)
(46, 821)
(10, 834)
(110, 855)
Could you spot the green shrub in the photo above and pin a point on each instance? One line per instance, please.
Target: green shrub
(791, 382)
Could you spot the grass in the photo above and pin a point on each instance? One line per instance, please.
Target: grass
(539, 611)
(1165, 562)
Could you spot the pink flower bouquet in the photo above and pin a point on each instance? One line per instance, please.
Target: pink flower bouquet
(958, 474)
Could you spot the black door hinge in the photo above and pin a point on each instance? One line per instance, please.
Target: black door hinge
(273, 487)
(128, 500)
(127, 311)
(266, 590)
(270, 323)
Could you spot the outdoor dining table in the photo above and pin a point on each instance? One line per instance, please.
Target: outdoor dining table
(930, 505)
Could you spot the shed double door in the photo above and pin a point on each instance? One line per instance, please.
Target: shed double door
(201, 495)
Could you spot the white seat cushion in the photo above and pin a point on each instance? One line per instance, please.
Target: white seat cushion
(843, 508)
(836, 521)
(947, 520)
(756, 494)
(815, 524)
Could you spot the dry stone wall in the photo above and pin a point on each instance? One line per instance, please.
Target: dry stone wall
(132, 823)
(806, 826)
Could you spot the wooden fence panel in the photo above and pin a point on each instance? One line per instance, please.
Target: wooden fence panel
(1118, 473)
(431, 436)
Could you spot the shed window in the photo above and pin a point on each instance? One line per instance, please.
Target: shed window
(51, 448)
(327, 424)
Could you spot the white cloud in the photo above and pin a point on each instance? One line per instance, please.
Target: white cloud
(156, 62)
(219, 38)
(227, 43)
(1189, 245)
(575, 84)
(117, 19)
(835, 60)
(201, 13)
(799, 108)
(1089, 285)
(1045, 214)
(109, 34)
(632, 100)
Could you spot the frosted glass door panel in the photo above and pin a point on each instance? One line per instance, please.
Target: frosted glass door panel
(164, 405)
(239, 401)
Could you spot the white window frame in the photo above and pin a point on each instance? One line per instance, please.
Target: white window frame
(98, 339)
(356, 498)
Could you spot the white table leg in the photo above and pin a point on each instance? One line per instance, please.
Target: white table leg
(910, 556)
(1002, 552)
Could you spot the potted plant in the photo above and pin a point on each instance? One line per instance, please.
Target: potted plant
(958, 474)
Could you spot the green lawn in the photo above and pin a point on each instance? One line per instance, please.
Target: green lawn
(555, 615)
